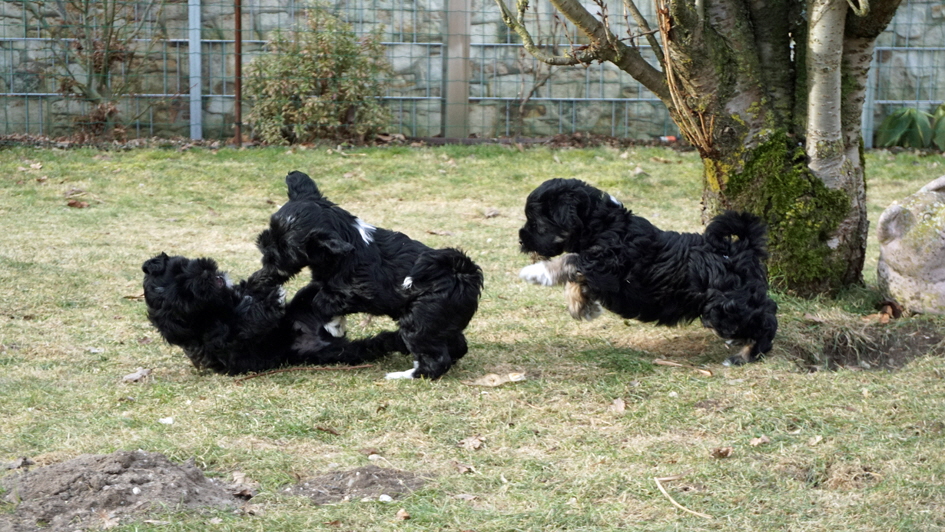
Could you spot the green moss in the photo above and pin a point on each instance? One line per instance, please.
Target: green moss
(800, 211)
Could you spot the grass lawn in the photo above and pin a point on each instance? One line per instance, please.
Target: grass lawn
(575, 446)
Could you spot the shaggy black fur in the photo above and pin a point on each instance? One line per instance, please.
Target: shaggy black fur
(638, 271)
(238, 328)
(432, 293)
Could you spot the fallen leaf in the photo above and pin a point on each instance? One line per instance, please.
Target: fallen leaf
(755, 442)
(619, 405)
(463, 468)
(329, 430)
(402, 514)
(215, 521)
(369, 451)
(471, 443)
(243, 486)
(109, 520)
(439, 232)
(137, 376)
(145, 340)
(722, 452)
(492, 213)
(815, 440)
(814, 319)
(36, 166)
(465, 497)
(166, 421)
(336, 522)
(492, 380)
(76, 204)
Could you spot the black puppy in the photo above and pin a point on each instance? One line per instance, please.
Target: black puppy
(238, 328)
(356, 267)
(638, 271)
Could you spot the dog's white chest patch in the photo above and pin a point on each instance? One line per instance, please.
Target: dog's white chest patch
(365, 229)
(337, 326)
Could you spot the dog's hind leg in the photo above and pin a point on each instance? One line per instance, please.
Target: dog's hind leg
(457, 347)
(580, 306)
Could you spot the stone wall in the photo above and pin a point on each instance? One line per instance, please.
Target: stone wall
(597, 99)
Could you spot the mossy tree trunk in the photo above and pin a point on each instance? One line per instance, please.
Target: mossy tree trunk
(770, 92)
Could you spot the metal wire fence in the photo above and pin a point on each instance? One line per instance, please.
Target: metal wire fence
(169, 68)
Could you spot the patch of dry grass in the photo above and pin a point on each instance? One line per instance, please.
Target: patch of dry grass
(575, 446)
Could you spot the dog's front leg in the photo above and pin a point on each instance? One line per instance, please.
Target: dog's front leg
(552, 272)
(332, 307)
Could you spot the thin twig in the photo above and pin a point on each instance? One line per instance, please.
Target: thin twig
(306, 368)
(659, 485)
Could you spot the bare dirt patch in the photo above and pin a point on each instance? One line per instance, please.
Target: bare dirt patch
(872, 346)
(99, 491)
(363, 483)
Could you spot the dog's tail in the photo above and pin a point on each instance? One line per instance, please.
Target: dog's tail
(445, 270)
(733, 232)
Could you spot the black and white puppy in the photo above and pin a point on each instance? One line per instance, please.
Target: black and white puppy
(356, 267)
(633, 269)
(245, 327)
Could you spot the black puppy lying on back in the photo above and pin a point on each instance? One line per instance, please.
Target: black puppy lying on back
(239, 328)
(356, 267)
(638, 271)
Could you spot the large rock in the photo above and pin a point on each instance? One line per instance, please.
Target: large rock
(911, 266)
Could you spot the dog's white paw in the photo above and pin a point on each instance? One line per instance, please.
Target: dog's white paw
(409, 374)
(537, 274)
(337, 326)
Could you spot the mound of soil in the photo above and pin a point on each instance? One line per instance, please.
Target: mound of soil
(369, 483)
(876, 346)
(96, 491)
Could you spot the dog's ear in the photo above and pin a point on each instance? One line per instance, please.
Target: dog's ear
(567, 211)
(155, 265)
(301, 186)
(319, 242)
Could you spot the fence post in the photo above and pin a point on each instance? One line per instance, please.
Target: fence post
(456, 69)
(196, 69)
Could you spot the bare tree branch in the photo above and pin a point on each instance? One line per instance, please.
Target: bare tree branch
(645, 27)
(516, 24)
(604, 45)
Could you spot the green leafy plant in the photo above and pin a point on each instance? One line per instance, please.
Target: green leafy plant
(911, 128)
(319, 82)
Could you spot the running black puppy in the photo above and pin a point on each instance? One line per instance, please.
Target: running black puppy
(638, 271)
(238, 328)
(356, 267)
